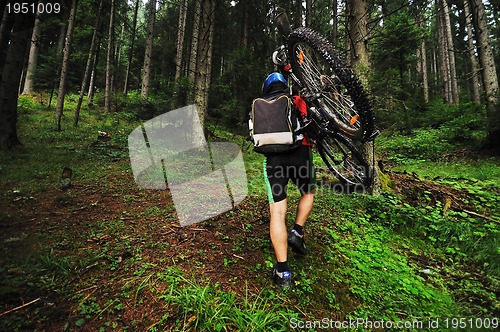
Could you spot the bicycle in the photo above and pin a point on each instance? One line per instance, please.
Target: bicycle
(340, 111)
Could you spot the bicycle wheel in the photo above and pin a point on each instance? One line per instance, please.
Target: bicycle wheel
(337, 89)
(345, 161)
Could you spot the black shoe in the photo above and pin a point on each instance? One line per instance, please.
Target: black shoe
(296, 242)
(282, 279)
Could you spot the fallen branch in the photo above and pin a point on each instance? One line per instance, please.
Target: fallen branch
(20, 307)
(472, 213)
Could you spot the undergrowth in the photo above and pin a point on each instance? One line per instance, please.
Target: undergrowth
(401, 256)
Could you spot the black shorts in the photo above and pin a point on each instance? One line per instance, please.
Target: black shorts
(296, 165)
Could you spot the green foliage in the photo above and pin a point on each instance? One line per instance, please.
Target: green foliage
(466, 238)
(206, 307)
(395, 257)
(421, 144)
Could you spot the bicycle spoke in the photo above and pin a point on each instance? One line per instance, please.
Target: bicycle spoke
(336, 103)
(344, 161)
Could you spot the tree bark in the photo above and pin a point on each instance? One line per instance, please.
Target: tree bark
(146, 75)
(33, 58)
(451, 53)
(204, 58)
(360, 61)
(11, 71)
(489, 74)
(194, 45)
(180, 38)
(443, 52)
(65, 64)
(472, 54)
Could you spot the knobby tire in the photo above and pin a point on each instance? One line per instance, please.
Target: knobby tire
(345, 101)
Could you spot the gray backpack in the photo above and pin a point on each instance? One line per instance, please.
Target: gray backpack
(273, 124)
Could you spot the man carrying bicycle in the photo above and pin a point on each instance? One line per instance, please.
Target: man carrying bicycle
(295, 165)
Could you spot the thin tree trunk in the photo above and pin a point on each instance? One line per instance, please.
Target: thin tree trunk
(422, 63)
(194, 45)
(146, 75)
(131, 49)
(180, 38)
(88, 66)
(472, 54)
(109, 59)
(33, 58)
(451, 53)
(95, 61)
(60, 48)
(444, 60)
(65, 64)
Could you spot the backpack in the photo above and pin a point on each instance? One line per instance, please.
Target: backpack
(273, 124)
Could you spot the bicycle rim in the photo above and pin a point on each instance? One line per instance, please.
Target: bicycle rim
(345, 161)
(321, 70)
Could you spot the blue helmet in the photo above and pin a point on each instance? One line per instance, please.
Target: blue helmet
(272, 78)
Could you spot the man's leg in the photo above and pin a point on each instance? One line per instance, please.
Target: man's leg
(296, 236)
(278, 229)
(304, 208)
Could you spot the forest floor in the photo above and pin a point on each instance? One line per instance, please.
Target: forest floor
(107, 255)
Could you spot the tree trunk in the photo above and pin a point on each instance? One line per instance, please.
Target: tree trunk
(444, 59)
(65, 64)
(180, 38)
(60, 48)
(88, 66)
(131, 49)
(33, 58)
(16, 35)
(358, 36)
(146, 75)
(109, 59)
(489, 74)
(95, 61)
(194, 45)
(422, 62)
(204, 58)
(360, 61)
(5, 31)
(472, 54)
(451, 53)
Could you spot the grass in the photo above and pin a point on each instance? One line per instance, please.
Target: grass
(109, 255)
